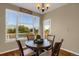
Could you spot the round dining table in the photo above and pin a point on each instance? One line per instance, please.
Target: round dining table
(37, 47)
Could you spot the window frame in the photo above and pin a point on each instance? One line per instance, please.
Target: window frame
(17, 20)
(50, 23)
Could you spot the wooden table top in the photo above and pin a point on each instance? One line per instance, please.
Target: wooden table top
(31, 44)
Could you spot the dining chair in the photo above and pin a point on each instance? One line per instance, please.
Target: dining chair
(30, 36)
(50, 37)
(51, 41)
(26, 52)
(54, 51)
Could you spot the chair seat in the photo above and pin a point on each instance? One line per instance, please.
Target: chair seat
(46, 53)
(28, 52)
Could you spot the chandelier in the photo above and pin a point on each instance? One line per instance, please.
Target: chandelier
(42, 6)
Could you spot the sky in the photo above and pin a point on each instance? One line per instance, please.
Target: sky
(11, 18)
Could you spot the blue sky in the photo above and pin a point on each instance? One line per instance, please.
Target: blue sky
(24, 19)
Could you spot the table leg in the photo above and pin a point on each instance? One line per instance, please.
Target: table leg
(37, 52)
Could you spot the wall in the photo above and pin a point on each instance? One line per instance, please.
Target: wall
(9, 45)
(41, 25)
(65, 24)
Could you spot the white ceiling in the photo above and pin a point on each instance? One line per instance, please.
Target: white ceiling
(31, 6)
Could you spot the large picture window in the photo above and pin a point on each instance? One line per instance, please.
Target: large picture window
(19, 24)
(46, 27)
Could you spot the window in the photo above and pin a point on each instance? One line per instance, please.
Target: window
(25, 25)
(18, 24)
(46, 27)
(11, 18)
(36, 25)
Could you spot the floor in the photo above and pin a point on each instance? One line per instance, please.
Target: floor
(16, 53)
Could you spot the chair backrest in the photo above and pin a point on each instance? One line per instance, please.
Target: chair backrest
(20, 47)
(56, 48)
(53, 41)
(31, 36)
(50, 37)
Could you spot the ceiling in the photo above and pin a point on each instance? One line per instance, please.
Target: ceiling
(31, 6)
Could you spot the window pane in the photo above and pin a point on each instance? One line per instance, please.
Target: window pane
(25, 25)
(36, 25)
(20, 24)
(11, 18)
(25, 19)
(46, 27)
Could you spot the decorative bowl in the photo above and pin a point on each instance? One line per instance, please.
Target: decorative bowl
(38, 41)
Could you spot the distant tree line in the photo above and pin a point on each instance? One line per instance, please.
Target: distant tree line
(22, 29)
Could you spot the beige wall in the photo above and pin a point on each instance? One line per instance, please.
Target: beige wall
(3, 45)
(65, 24)
(41, 25)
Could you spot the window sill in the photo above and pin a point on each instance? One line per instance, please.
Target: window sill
(14, 39)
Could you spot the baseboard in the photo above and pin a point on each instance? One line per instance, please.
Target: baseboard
(68, 52)
(63, 51)
(15, 49)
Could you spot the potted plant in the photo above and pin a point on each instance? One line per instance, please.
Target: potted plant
(38, 37)
(38, 40)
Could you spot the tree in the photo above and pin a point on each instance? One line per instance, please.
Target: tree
(10, 30)
(23, 29)
(31, 30)
(36, 31)
(47, 30)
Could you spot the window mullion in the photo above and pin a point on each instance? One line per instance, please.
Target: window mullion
(17, 25)
(33, 23)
